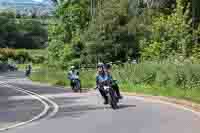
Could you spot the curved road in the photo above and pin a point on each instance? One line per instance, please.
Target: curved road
(84, 113)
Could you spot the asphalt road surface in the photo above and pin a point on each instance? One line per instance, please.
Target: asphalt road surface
(35, 108)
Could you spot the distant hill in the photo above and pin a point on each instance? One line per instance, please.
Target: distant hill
(28, 7)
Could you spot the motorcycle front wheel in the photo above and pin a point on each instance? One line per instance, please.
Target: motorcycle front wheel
(112, 99)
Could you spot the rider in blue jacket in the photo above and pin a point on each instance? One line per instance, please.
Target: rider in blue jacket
(101, 76)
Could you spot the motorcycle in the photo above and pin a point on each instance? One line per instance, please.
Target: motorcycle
(27, 73)
(12, 68)
(109, 91)
(76, 85)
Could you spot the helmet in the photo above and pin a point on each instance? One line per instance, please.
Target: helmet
(72, 67)
(100, 65)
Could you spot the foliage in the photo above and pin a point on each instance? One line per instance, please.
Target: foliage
(38, 59)
(23, 56)
(73, 18)
(21, 33)
(184, 75)
(107, 37)
(8, 53)
(174, 80)
(59, 77)
(2, 58)
(67, 56)
(55, 51)
(123, 30)
(169, 35)
(76, 63)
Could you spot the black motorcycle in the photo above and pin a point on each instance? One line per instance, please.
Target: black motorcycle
(76, 85)
(28, 73)
(12, 68)
(111, 94)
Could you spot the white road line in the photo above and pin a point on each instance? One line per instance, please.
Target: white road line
(46, 108)
(38, 97)
(51, 96)
(55, 106)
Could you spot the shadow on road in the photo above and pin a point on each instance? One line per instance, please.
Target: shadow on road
(79, 110)
(123, 106)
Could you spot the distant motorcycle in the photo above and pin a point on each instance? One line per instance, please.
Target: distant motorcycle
(12, 68)
(111, 94)
(27, 73)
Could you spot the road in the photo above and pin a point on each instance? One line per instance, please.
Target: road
(44, 109)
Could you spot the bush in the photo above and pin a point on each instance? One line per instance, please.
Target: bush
(170, 35)
(38, 59)
(76, 63)
(184, 75)
(67, 56)
(22, 56)
(3, 58)
(55, 52)
(8, 53)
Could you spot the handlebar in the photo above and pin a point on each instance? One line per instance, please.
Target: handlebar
(106, 82)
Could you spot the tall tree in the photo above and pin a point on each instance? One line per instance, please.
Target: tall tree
(195, 12)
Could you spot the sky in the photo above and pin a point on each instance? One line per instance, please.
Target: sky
(22, 0)
(38, 0)
(47, 3)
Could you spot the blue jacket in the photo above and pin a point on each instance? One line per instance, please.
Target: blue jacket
(73, 75)
(102, 77)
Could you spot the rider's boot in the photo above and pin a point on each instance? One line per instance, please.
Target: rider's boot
(116, 88)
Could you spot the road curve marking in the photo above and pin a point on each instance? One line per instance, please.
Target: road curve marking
(55, 106)
(43, 113)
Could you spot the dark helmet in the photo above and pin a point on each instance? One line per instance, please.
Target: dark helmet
(100, 65)
(108, 66)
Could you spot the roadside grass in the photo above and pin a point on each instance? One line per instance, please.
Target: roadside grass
(59, 77)
(151, 79)
(154, 90)
(22, 67)
(34, 52)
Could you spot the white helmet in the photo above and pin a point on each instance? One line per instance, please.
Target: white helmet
(72, 67)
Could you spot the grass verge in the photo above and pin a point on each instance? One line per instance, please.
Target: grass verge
(154, 90)
(126, 82)
(59, 77)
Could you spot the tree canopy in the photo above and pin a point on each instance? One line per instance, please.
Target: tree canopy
(21, 33)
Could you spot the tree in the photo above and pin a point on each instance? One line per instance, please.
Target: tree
(195, 12)
(169, 35)
(108, 37)
(74, 17)
(20, 32)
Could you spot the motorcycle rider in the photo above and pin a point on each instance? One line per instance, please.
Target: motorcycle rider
(115, 86)
(28, 70)
(101, 76)
(72, 75)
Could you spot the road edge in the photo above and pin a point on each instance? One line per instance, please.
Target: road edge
(178, 103)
